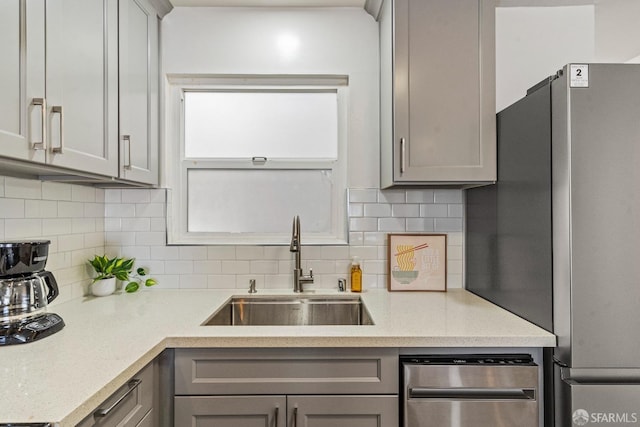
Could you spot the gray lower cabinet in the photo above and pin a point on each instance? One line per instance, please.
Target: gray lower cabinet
(131, 405)
(286, 387)
(273, 411)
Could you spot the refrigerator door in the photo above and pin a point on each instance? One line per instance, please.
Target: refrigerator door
(596, 219)
(597, 402)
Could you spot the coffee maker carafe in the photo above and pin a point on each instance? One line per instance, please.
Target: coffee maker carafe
(25, 290)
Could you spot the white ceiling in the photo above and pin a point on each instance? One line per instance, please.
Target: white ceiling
(272, 3)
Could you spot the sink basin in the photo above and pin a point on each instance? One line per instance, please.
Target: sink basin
(291, 310)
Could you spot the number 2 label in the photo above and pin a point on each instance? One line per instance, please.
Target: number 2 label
(579, 74)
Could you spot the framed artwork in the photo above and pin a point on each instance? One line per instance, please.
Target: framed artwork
(417, 262)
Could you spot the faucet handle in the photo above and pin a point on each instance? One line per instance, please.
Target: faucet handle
(311, 273)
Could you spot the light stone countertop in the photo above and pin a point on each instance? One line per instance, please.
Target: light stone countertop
(106, 340)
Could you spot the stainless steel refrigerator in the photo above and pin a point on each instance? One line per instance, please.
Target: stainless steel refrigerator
(557, 239)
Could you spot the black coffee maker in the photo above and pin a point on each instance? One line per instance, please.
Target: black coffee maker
(25, 290)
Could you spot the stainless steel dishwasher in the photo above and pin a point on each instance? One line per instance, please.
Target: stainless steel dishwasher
(469, 391)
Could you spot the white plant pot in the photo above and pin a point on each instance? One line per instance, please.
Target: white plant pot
(104, 287)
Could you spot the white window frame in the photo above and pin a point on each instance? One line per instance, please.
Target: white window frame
(178, 165)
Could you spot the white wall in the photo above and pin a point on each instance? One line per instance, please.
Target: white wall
(534, 42)
(617, 30)
(335, 41)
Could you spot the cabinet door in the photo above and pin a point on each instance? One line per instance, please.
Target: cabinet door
(22, 79)
(343, 411)
(230, 411)
(82, 84)
(138, 71)
(443, 93)
(128, 406)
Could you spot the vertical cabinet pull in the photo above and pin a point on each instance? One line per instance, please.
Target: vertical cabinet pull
(127, 140)
(57, 109)
(277, 411)
(403, 157)
(42, 102)
(295, 417)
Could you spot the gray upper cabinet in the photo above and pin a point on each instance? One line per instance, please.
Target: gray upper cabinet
(138, 72)
(437, 92)
(22, 109)
(79, 85)
(82, 84)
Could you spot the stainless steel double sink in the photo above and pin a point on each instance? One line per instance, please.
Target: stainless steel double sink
(291, 310)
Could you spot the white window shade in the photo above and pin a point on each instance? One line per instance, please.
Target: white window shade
(259, 201)
(271, 124)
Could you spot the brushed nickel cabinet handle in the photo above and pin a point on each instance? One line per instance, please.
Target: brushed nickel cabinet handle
(295, 417)
(403, 153)
(127, 139)
(57, 109)
(42, 102)
(276, 415)
(133, 384)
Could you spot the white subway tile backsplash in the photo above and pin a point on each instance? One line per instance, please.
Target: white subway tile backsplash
(151, 238)
(193, 281)
(405, 211)
(137, 252)
(94, 210)
(363, 195)
(264, 267)
(419, 196)
(391, 224)
(70, 209)
(136, 196)
(249, 252)
(83, 225)
(18, 188)
(113, 196)
(363, 224)
(236, 267)
(13, 208)
(356, 209)
(193, 252)
(447, 196)
(149, 210)
(221, 281)
(80, 193)
(356, 238)
(42, 208)
(2, 236)
(164, 252)
(207, 267)
(334, 252)
(456, 210)
(21, 228)
(420, 224)
(178, 267)
(448, 224)
(392, 196)
(373, 214)
(434, 211)
(71, 242)
(56, 191)
(375, 238)
(221, 252)
(377, 209)
(119, 210)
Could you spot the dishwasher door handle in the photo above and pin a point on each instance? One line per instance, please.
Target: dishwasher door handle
(472, 393)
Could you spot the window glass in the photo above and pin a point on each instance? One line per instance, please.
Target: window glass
(267, 123)
(264, 201)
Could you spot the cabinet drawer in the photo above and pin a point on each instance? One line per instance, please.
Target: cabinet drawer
(285, 371)
(127, 406)
(245, 411)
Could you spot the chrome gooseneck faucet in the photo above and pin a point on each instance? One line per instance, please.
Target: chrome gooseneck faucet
(298, 276)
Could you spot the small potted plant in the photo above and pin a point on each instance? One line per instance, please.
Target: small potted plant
(108, 270)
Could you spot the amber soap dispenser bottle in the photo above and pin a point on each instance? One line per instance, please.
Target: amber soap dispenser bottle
(356, 275)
